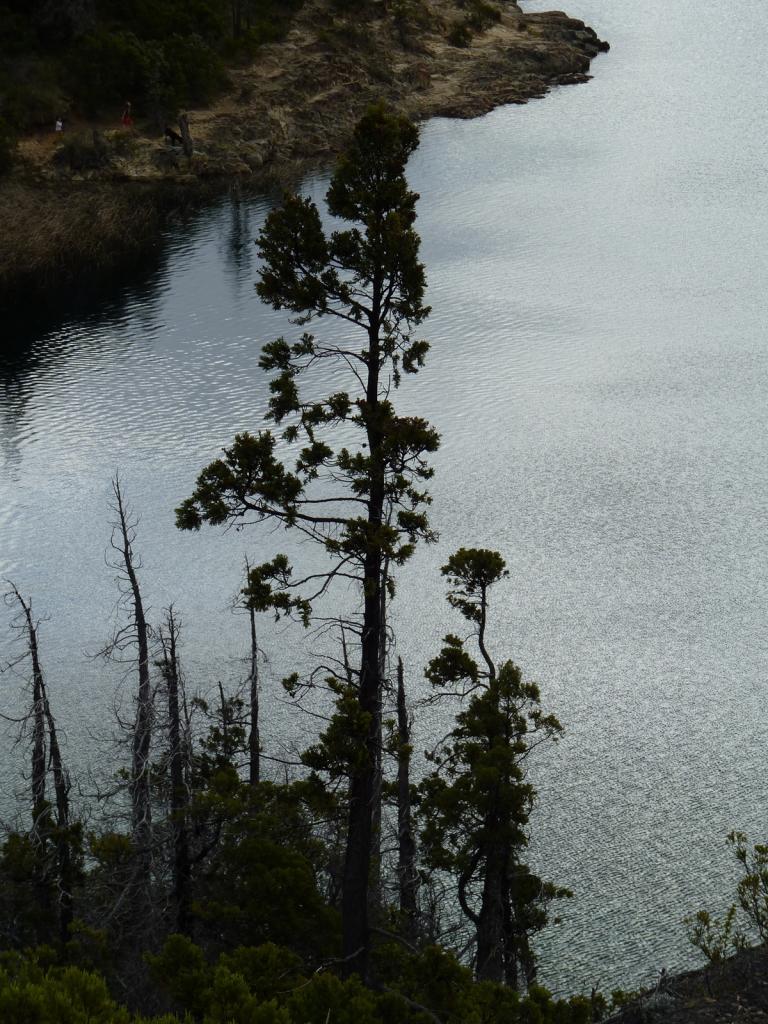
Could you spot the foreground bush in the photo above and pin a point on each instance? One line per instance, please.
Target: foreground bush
(7, 147)
(30, 992)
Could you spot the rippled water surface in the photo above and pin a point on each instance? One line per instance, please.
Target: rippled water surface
(597, 268)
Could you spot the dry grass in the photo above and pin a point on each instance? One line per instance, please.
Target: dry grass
(49, 232)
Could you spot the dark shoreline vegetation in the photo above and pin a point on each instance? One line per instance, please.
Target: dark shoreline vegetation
(271, 91)
(102, 235)
(217, 883)
(76, 60)
(80, 59)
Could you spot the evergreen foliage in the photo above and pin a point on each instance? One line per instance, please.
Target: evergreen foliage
(7, 147)
(475, 805)
(89, 56)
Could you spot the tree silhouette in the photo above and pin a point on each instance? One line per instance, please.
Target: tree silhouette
(362, 501)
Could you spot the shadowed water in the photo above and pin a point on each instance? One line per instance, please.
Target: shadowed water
(599, 282)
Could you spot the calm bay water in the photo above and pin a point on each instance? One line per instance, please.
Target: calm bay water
(599, 280)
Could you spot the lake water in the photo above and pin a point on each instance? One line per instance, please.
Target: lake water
(598, 268)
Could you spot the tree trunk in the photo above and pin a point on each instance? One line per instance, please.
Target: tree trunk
(355, 928)
(254, 743)
(181, 865)
(374, 893)
(42, 719)
(61, 786)
(38, 725)
(141, 807)
(362, 788)
(481, 634)
(40, 816)
(490, 924)
(406, 847)
(236, 7)
(186, 137)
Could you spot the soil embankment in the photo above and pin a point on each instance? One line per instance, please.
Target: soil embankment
(71, 210)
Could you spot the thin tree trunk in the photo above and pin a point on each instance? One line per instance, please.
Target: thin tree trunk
(186, 137)
(224, 722)
(181, 865)
(42, 719)
(374, 894)
(40, 816)
(357, 866)
(481, 635)
(38, 722)
(236, 7)
(141, 807)
(406, 847)
(61, 786)
(254, 741)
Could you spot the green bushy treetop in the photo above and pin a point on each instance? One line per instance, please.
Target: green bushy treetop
(475, 805)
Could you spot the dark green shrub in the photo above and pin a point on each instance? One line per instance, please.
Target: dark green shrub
(328, 998)
(30, 95)
(36, 106)
(158, 78)
(348, 6)
(16, 32)
(482, 15)
(81, 153)
(459, 34)
(196, 71)
(107, 68)
(32, 992)
(7, 147)
(266, 22)
(160, 19)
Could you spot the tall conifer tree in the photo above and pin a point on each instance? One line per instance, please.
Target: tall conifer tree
(362, 501)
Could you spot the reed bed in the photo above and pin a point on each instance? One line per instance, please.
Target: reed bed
(53, 236)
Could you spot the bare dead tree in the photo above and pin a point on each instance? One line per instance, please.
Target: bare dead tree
(179, 795)
(39, 766)
(63, 839)
(38, 732)
(46, 755)
(136, 633)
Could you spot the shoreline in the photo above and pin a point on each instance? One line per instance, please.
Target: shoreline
(67, 226)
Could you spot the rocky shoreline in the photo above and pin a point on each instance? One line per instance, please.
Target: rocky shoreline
(734, 990)
(71, 214)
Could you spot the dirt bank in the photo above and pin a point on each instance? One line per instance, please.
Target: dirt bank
(67, 211)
